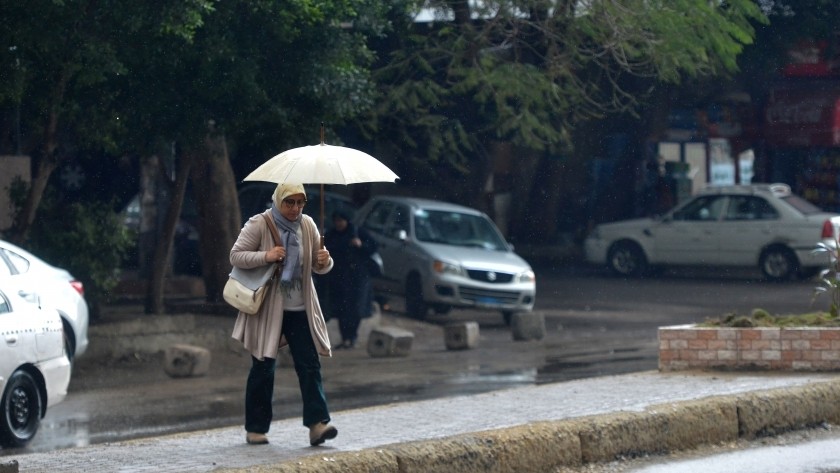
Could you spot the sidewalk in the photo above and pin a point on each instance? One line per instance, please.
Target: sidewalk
(536, 428)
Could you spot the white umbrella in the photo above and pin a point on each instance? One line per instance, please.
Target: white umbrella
(322, 164)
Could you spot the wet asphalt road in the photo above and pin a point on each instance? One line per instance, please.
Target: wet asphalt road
(595, 325)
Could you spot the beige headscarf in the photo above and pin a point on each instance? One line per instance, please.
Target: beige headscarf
(285, 190)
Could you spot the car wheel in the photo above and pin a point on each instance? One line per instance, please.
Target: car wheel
(21, 410)
(415, 306)
(778, 264)
(507, 316)
(627, 259)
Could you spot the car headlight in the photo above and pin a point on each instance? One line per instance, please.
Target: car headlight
(442, 267)
(525, 277)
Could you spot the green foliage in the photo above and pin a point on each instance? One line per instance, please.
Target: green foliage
(529, 74)
(830, 277)
(762, 318)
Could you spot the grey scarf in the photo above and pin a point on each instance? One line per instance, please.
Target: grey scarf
(291, 276)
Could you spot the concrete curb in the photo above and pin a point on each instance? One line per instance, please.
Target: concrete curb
(544, 446)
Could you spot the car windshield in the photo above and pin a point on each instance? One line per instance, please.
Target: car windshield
(458, 229)
(801, 204)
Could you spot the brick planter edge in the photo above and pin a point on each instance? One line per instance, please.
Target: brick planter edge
(684, 347)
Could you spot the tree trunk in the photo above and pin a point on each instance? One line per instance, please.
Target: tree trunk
(47, 162)
(24, 220)
(219, 218)
(163, 248)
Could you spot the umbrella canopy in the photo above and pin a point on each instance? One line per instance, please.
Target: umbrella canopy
(322, 164)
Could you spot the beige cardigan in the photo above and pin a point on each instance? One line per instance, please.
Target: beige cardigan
(260, 333)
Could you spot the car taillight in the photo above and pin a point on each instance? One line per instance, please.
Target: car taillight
(78, 286)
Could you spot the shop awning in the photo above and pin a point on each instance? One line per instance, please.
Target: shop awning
(803, 117)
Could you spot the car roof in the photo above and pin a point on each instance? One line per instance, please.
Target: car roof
(428, 204)
(777, 189)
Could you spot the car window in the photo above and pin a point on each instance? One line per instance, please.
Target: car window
(5, 269)
(455, 228)
(705, 208)
(20, 264)
(4, 304)
(750, 208)
(377, 218)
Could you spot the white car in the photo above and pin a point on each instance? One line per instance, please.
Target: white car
(34, 369)
(48, 286)
(441, 255)
(761, 225)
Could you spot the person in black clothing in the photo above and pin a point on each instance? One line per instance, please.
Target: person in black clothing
(350, 291)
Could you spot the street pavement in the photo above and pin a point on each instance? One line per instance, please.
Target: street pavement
(532, 428)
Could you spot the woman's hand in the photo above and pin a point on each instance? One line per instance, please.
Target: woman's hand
(323, 257)
(278, 254)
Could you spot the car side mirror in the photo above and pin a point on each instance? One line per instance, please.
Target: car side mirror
(402, 235)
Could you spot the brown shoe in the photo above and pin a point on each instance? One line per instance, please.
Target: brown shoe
(254, 438)
(320, 433)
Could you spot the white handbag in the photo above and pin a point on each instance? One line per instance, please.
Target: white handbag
(244, 296)
(245, 289)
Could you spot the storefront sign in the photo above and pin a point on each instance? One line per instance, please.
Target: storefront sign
(803, 118)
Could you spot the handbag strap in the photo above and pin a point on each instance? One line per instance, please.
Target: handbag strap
(275, 235)
(273, 229)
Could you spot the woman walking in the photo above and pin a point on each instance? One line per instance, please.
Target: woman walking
(289, 315)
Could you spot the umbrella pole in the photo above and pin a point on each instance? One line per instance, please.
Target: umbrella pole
(322, 195)
(322, 216)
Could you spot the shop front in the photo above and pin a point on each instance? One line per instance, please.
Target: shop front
(802, 137)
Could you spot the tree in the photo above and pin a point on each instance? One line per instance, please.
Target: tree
(57, 58)
(255, 76)
(201, 77)
(529, 72)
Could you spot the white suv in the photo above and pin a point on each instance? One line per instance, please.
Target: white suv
(441, 255)
(762, 225)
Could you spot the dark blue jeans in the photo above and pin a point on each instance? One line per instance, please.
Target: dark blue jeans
(259, 390)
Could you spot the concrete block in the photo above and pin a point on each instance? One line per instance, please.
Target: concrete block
(461, 336)
(389, 341)
(528, 325)
(181, 361)
(9, 467)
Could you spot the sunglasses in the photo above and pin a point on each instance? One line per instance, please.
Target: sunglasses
(292, 202)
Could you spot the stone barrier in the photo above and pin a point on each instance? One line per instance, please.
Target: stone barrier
(461, 336)
(182, 361)
(389, 341)
(9, 467)
(528, 325)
